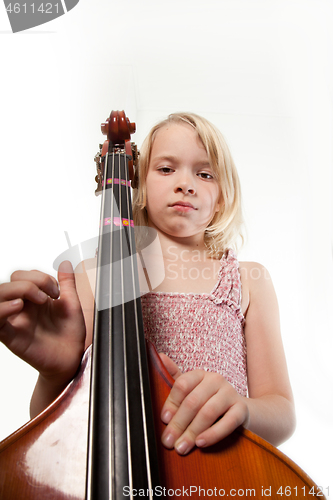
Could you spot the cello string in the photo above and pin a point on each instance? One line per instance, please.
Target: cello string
(135, 289)
(94, 353)
(122, 229)
(110, 413)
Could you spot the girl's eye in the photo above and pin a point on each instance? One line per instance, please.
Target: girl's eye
(165, 170)
(205, 175)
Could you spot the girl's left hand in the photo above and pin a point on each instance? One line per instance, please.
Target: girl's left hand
(194, 407)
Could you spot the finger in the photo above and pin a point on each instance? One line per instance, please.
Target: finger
(66, 277)
(206, 416)
(199, 410)
(25, 290)
(233, 416)
(7, 309)
(188, 410)
(203, 419)
(69, 298)
(191, 390)
(174, 371)
(237, 415)
(170, 366)
(183, 386)
(44, 281)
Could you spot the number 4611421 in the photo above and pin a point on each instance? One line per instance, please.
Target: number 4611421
(43, 8)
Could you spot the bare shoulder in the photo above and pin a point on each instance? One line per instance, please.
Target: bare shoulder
(256, 282)
(262, 313)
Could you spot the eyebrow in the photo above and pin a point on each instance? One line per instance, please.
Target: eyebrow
(165, 157)
(174, 159)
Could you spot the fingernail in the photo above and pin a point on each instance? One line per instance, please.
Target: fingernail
(55, 290)
(200, 442)
(166, 416)
(182, 448)
(15, 302)
(168, 440)
(66, 267)
(42, 296)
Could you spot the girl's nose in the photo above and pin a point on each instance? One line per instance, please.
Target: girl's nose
(185, 185)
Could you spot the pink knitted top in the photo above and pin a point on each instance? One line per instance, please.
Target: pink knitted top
(202, 331)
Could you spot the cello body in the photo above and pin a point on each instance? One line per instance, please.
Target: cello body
(46, 458)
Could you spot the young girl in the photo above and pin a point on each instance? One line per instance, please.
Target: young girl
(216, 323)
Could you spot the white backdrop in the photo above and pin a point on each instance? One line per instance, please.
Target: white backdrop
(261, 70)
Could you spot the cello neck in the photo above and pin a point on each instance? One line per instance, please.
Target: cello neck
(122, 449)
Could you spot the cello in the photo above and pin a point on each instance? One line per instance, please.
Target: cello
(108, 446)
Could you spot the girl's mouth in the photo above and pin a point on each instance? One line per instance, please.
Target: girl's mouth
(183, 206)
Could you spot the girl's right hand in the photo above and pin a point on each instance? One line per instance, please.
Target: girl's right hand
(42, 325)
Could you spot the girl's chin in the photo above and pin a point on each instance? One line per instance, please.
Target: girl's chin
(178, 229)
(182, 233)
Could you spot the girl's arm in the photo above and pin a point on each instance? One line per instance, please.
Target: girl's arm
(199, 399)
(44, 327)
(270, 402)
(81, 297)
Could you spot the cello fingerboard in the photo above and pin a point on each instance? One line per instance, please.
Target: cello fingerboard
(122, 453)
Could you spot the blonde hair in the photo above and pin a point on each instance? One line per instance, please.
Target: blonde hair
(224, 230)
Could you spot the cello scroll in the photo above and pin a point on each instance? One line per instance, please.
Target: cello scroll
(118, 129)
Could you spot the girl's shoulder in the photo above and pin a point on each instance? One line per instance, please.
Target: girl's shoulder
(256, 281)
(253, 271)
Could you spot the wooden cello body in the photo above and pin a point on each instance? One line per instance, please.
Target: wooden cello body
(46, 458)
(89, 445)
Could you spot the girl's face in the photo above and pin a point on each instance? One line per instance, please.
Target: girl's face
(182, 192)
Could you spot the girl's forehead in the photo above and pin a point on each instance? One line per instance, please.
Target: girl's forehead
(174, 128)
(176, 136)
